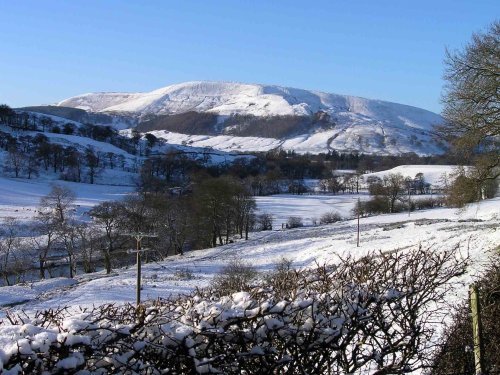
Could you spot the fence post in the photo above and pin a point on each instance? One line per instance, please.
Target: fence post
(476, 329)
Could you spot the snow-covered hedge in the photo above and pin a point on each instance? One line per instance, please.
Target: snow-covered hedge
(366, 314)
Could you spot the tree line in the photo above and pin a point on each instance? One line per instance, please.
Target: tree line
(215, 212)
(27, 155)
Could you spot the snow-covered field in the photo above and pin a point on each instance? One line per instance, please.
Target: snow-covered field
(307, 207)
(19, 198)
(474, 229)
(433, 174)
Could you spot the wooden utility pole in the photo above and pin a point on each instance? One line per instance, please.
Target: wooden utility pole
(359, 209)
(409, 202)
(138, 237)
(476, 329)
(408, 185)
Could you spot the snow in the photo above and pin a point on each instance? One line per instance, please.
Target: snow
(441, 228)
(307, 207)
(22, 293)
(368, 126)
(228, 98)
(80, 143)
(19, 198)
(433, 174)
(219, 142)
(474, 229)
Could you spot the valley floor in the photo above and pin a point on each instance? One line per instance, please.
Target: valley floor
(474, 230)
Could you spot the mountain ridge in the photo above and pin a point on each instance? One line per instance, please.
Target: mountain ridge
(314, 99)
(255, 110)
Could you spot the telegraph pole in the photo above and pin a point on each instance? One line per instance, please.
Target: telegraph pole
(138, 238)
(359, 209)
(408, 186)
(409, 202)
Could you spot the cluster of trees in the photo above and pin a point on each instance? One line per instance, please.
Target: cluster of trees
(27, 154)
(349, 183)
(471, 184)
(239, 125)
(270, 126)
(28, 121)
(263, 175)
(393, 192)
(187, 123)
(216, 210)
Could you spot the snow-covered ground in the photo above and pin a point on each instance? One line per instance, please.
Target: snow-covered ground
(474, 229)
(309, 208)
(19, 198)
(219, 142)
(227, 98)
(433, 174)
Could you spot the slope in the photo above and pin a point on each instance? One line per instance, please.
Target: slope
(303, 120)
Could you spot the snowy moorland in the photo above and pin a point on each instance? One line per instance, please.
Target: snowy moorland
(353, 123)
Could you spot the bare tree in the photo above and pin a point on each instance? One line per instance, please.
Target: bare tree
(16, 161)
(9, 242)
(265, 221)
(89, 244)
(472, 103)
(108, 217)
(92, 160)
(53, 222)
(391, 189)
(69, 237)
(57, 203)
(45, 235)
(472, 90)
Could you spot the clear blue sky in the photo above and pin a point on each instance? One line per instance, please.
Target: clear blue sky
(391, 50)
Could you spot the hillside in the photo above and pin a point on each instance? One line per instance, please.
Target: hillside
(473, 229)
(302, 120)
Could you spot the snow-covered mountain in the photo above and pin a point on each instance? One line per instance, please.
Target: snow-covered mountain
(336, 122)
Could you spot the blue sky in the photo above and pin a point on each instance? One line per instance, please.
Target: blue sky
(390, 50)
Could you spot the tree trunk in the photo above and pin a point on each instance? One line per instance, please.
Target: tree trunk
(42, 267)
(107, 262)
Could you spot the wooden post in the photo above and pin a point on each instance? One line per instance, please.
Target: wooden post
(359, 209)
(138, 237)
(138, 290)
(409, 201)
(476, 329)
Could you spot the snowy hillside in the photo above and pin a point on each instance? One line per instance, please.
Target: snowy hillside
(259, 100)
(474, 229)
(433, 174)
(348, 123)
(20, 198)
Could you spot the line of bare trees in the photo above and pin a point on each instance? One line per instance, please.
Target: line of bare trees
(214, 213)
